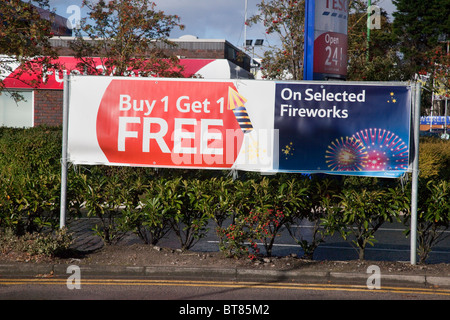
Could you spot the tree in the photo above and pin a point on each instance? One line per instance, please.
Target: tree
(284, 18)
(419, 24)
(436, 70)
(376, 60)
(124, 35)
(24, 39)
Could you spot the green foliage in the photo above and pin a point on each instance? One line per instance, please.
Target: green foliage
(364, 205)
(371, 58)
(433, 216)
(319, 208)
(30, 178)
(246, 211)
(36, 244)
(124, 32)
(24, 37)
(434, 159)
(182, 201)
(418, 24)
(276, 201)
(106, 191)
(34, 151)
(286, 20)
(147, 219)
(263, 207)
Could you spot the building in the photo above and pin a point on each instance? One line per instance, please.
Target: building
(42, 104)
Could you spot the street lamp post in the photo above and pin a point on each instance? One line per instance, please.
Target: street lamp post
(443, 39)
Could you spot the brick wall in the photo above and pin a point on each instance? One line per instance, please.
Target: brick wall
(48, 107)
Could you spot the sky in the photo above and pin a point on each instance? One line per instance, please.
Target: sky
(206, 19)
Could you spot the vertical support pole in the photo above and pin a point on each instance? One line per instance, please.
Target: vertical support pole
(245, 26)
(415, 173)
(308, 55)
(62, 218)
(369, 26)
(445, 117)
(432, 105)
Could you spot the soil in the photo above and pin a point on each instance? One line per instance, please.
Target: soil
(148, 255)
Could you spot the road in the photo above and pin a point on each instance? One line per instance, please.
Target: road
(229, 292)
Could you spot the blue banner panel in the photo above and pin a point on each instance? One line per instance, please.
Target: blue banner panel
(350, 129)
(438, 120)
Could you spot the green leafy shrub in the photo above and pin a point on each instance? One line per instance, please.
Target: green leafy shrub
(433, 215)
(308, 227)
(181, 199)
(365, 204)
(247, 210)
(52, 244)
(238, 239)
(33, 151)
(276, 202)
(434, 159)
(262, 208)
(147, 218)
(30, 178)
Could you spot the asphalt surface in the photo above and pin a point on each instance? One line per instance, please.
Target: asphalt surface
(85, 240)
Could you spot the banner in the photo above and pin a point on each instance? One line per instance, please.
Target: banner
(264, 126)
(439, 120)
(182, 123)
(343, 128)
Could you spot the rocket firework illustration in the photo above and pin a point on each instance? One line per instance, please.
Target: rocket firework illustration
(236, 102)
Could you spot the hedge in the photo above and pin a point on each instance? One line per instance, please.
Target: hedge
(250, 209)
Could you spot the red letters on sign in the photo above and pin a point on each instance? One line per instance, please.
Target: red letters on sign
(339, 5)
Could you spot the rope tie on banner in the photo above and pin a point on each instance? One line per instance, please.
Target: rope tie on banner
(404, 178)
(65, 160)
(233, 173)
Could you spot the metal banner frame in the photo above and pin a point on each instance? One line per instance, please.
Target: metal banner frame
(414, 157)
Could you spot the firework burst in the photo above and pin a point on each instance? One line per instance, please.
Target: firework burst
(386, 151)
(346, 154)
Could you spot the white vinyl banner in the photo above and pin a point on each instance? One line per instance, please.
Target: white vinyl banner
(182, 123)
(265, 126)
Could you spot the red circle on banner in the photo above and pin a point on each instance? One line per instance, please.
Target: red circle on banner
(168, 124)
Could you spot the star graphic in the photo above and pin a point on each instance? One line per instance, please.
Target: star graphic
(392, 98)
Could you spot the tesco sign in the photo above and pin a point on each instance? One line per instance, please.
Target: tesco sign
(326, 40)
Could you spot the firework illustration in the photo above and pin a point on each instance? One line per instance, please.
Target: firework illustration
(386, 151)
(236, 102)
(253, 150)
(346, 154)
(288, 150)
(392, 98)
